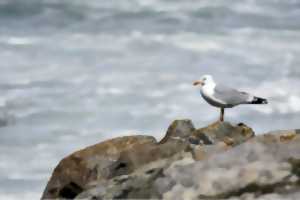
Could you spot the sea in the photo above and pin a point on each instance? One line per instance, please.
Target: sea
(74, 73)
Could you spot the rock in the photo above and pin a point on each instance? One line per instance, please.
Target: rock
(138, 185)
(222, 132)
(220, 161)
(179, 130)
(104, 161)
(201, 152)
(101, 161)
(262, 166)
(204, 142)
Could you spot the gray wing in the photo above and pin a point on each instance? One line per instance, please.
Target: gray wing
(230, 96)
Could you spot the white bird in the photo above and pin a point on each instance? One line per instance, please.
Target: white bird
(223, 97)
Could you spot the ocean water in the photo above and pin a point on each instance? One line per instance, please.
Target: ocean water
(74, 73)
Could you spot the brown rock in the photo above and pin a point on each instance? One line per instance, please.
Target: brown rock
(104, 162)
(101, 161)
(222, 132)
(278, 137)
(287, 136)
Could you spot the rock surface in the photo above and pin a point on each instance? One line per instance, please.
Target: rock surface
(101, 161)
(220, 161)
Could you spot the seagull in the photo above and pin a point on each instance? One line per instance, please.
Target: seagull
(221, 96)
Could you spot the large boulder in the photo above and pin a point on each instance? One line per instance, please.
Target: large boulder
(132, 166)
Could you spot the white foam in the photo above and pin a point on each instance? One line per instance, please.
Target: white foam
(182, 6)
(184, 40)
(283, 96)
(110, 91)
(20, 196)
(2, 102)
(20, 41)
(290, 105)
(156, 94)
(249, 6)
(192, 41)
(294, 102)
(184, 87)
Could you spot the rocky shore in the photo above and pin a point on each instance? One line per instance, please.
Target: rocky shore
(220, 161)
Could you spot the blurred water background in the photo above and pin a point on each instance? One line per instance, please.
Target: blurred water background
(75, 72)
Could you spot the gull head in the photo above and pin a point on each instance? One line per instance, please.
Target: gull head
(206, 79)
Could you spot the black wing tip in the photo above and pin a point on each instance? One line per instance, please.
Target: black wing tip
(258, 100)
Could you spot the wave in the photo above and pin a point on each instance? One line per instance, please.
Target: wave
(160, 16)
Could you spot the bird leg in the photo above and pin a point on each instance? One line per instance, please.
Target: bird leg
(222, 114)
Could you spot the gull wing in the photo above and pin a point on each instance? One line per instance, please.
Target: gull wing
(230, 96)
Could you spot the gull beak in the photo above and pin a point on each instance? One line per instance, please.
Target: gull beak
(198, 83)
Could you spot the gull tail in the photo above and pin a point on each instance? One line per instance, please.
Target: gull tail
(258, 100)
